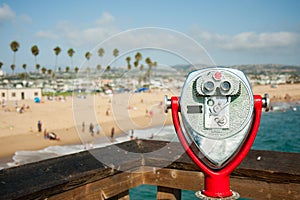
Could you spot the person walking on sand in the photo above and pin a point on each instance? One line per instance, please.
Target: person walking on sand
(45, 134)
(39, 126)
(91, 129)
(83, 127)
(112, 133)
(98, 129)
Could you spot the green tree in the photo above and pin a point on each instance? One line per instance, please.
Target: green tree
(13, 67)
(71, 53)
(149, 71)
(35, 52)
(1, 64)
(24, 66)
(128, 59)
(37, 67)
(14, 45)
(88, 56)
(101, 52)
(138, 57)
(76, 69)
(43, 70)
(57, 51)
(115, 52)
(49, 72)
(67, 69)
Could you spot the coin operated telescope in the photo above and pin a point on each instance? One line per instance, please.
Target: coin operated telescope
(220, 118)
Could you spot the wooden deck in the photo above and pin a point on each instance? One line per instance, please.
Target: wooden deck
(275, 175)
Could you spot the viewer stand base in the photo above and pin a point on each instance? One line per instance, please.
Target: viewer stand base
(234, 196)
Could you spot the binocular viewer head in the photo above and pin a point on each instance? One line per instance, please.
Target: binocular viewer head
(217, 113)
(216, 103)
(220, 118)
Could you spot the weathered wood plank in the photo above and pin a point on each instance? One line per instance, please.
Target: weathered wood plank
(172, 178)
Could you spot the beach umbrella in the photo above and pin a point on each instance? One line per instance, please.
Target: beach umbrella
(37, 100)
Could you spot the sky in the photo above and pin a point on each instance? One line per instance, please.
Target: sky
(231, 32)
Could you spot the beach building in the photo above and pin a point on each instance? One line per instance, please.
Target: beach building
(16, 94)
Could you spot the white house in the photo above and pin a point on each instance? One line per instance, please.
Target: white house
(16, 94)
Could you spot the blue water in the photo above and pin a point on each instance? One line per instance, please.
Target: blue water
(279, 131)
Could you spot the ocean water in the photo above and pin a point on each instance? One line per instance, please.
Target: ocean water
(279, 131)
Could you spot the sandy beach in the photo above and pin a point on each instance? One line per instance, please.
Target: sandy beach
(18, 131)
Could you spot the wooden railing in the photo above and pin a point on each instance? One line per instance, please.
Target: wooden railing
(262, 175)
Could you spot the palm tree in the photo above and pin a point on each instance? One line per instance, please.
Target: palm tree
(100, 52)
(14, 45)
(24, 66)
(76, 69)
(107, 68)
(67, 69)
(57, 51)
(71, 53)
(115, 52)
(128, 59)
(35, 52)
(138, 57)
(49, 72)
(37, 67)
(129, 67)
(88, 55)
(1, 64)
(44, 70)
(12, 67)
(149, 63)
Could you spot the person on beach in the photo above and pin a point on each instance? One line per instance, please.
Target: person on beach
(131, 134)
(45, 134)
(98, 129)
(112, 133)
(39, 126)
(53, 136)
(83, 127)
(91, 129)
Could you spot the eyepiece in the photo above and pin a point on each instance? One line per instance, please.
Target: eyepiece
(225, 86)
(209, 86)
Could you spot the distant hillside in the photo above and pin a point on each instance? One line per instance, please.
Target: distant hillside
(252, 68)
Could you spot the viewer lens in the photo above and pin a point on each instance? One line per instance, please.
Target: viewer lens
(225, 86)
(209, 86)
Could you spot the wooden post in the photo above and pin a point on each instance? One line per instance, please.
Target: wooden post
(164, 193)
